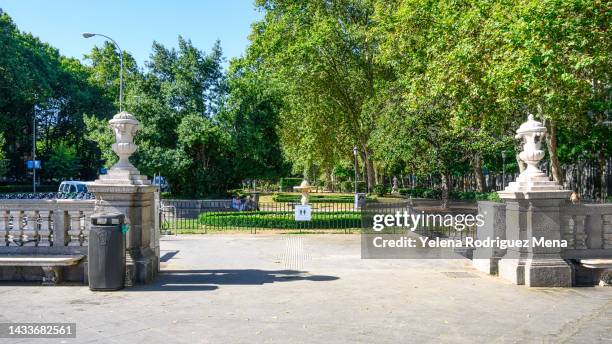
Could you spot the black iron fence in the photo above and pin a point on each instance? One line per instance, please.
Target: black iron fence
(203, 216)
(47, 195)
(453, 223)
(186, 216)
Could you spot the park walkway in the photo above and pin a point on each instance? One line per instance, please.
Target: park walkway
(312, 288)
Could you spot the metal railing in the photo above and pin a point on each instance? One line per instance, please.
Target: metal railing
(205, 216)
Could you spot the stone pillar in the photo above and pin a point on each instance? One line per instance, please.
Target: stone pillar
(533, 204)
(126, 191)
(486, 259)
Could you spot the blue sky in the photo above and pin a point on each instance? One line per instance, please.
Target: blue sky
(136, 24)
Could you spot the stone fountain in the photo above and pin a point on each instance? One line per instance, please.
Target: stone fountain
(304, 188)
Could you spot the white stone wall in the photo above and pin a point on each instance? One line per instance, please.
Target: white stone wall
(46, 226)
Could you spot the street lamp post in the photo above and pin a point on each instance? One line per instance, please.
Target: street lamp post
(34, 151)
(503, 169)
(355, 155)
(88, 35)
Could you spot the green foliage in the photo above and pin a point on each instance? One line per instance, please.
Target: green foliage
(420, 87)
(287, 184)
(454, 195)
(294, 198)
(203, 163)
(323, 56)
(346, 186)
(380, 190)
(420, 193)
(25, 188)
(98, 132)
(251, 114)
(37, 81)
(63, 163)
(3, 161)
(281, 220)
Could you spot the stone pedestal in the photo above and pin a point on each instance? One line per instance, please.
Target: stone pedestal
(126, 191)
(535, 266)
(137, 202)
(533, 204)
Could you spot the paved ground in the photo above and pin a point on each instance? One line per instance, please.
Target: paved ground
(312, 288)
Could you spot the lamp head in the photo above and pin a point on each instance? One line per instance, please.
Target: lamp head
(88, 34)
(355, 150)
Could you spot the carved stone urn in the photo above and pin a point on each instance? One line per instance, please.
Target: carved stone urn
(532, 133)
(532, 182)
(125, 126)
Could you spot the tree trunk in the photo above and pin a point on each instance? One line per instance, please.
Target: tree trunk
(603, 169)
(329, 180)
(445, 190)
(377, 175)
(480, 180)
(369, 169)
(551, 143)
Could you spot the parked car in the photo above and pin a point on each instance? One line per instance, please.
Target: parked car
(72, 186)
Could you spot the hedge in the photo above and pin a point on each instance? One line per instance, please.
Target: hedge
(454, 195)
(281, 220)
(294, 198)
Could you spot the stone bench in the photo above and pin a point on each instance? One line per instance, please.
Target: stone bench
(51, 265)
(602, 266)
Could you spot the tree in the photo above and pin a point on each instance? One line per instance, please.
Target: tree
(99, 133)
(323, 55)
(3, 161)
(203, 158)
(251, 115)
(555, 61)
(63, 163)
(36, 81)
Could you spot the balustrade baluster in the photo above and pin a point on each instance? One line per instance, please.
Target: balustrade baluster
(44, 230)
(74, 232)
(568, 228)
(15, 233)
(86, 224)
(4, 227)
(30, 228)
(607, 231)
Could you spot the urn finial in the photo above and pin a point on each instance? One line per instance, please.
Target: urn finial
(532, 182)
(124, 126)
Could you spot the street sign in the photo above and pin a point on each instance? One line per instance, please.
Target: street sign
(303, 213)
(31, 164)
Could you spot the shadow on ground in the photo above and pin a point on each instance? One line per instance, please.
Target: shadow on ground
(202, 280)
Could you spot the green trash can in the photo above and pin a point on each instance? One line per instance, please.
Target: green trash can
(106, 252)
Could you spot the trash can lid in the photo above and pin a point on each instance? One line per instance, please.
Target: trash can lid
(108, 219)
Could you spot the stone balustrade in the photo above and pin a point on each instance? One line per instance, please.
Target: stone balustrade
(44, 226)
(587, 229)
